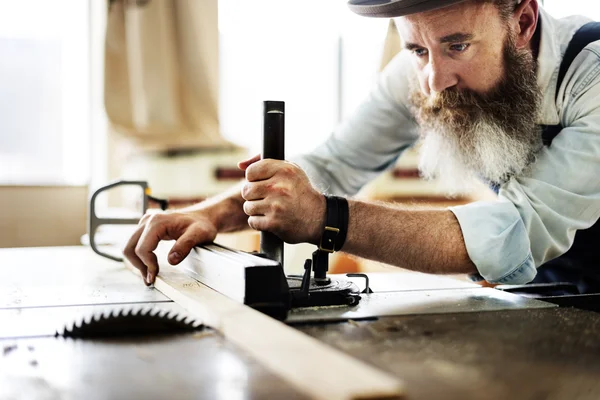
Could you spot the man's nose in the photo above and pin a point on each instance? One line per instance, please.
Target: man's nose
(440, 76)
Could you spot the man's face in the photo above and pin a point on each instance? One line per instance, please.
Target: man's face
(458, 46)
(477, 97)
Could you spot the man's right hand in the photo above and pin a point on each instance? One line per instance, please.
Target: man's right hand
(187, 228)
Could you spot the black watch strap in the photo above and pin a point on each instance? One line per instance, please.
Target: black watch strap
(336, 224)
(344, 215)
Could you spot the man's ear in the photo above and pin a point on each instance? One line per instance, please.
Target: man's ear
(525, 20)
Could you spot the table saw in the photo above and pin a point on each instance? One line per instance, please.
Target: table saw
(225, 324)
(446, 339)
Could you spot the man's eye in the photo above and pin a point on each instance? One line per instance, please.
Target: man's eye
(459, 47)
(420, 52)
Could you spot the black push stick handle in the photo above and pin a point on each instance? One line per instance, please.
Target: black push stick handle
(274, 148)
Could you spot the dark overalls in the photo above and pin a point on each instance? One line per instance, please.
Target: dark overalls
(581, 264)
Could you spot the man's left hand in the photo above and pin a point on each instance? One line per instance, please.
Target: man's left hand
(280, 199)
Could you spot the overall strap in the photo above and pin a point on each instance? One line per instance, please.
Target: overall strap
(587, 34)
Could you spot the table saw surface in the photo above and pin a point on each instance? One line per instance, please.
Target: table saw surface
(529, 353)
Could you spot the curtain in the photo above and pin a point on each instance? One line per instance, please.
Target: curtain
(161, 73)
(392, 44)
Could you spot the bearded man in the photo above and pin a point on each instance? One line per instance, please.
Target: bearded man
(496, 90)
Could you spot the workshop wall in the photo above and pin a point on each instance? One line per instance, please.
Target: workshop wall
(42, 216)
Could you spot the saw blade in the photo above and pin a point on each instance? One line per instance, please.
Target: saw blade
(128, 321)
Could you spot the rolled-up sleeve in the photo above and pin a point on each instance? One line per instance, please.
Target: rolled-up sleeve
(537, 215)
(497, 241)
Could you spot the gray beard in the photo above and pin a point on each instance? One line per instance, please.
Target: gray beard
(491, 155)
(468, 137)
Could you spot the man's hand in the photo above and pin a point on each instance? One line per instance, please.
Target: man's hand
(280, 199)
(187, 228)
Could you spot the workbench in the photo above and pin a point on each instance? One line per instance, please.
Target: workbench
(543, 353)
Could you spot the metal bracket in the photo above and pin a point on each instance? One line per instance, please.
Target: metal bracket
(367, 288)
(95, 222)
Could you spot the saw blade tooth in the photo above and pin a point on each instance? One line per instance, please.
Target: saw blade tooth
(146, 311)
(73, 332)
(143, 311)
(63, 331)
(153, 312)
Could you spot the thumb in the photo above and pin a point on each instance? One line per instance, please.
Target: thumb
(243, 165)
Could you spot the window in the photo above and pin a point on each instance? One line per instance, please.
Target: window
(562, 8)
(317, 56)
(44, 92)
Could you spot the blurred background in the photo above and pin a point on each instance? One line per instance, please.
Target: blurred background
(171, 91)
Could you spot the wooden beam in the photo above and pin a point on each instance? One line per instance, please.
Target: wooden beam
(313, 368)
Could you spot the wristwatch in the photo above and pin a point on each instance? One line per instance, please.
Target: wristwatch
(336, 224)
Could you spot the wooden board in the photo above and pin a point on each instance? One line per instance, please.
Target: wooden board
(312, 367)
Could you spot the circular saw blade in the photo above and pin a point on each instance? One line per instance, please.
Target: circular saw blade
(129, 321)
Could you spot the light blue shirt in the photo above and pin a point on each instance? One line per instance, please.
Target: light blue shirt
(536, 215)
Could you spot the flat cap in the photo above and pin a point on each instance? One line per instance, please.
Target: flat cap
(396, 8)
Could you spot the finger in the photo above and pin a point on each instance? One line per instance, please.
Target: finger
(156, 230)
(151, 262)
(246, 163)
(145, 252)
(258, 223)
(256, 208)
(263, 170)
(256, 190)
(129, 253)
(186, 242)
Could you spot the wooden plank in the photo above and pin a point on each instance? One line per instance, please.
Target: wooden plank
(310, 366)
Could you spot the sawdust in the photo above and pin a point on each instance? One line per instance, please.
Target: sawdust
(316, 308)
(353, 323)
(373, 331)
(202, 334)
(454, 371)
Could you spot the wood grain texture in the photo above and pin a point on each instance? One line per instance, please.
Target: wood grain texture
(310, 366)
